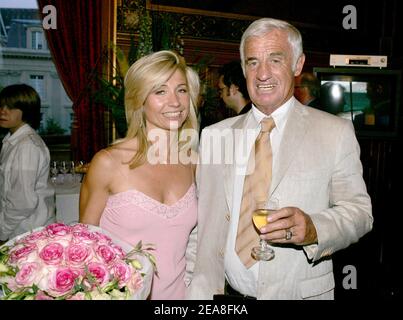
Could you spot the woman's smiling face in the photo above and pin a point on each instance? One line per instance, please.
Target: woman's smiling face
(167, 106)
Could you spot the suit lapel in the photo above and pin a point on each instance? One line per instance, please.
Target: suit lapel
(241, 133)
(294, 133)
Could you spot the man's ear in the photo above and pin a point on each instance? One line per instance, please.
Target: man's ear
(299, 65)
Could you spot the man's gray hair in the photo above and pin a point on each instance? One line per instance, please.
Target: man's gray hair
(262, 26)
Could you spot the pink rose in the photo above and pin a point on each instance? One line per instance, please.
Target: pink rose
(62, 281)
(78, 227)
(21, 253)
(40, 295)
(83, 236)
(100, 272)
(77, 296)
(57, 229)
(135, 282)
(34, 237)
(102, 238)
(78, 254)
(118, 250)
(52, 253)
(59, 257)
(122, 272)
(28, 274)
(106, 253)
(11, 284)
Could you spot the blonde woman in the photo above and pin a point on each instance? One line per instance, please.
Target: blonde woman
(142, 187)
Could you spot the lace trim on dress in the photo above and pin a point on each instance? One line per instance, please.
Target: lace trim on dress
(138, 198)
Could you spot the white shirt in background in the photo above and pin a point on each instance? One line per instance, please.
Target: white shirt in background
(26, 197)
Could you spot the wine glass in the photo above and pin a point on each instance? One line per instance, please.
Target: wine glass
(80, 170)
(53, 172)
(73, 172)
(64, 169)
(262, 209)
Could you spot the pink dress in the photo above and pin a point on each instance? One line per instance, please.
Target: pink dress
(133, 216)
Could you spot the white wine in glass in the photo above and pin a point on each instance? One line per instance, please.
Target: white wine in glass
(260, 217)
(261, 212)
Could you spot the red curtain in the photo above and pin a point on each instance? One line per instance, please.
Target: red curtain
(76, 47)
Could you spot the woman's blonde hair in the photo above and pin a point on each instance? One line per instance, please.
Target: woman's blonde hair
(143, 77)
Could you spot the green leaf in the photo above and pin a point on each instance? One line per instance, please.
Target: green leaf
(136, 264)
(142, 250)
(17, 295)
(111, 285)
(5, 289)
(139, 245)
(35, 288)
(91, 279)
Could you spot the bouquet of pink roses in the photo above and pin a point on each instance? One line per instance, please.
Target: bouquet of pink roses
(73, 263)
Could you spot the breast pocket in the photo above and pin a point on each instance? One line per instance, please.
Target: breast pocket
(307, 182)
(308, 190)
(308, 173)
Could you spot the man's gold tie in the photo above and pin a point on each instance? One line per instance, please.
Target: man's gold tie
(256, 186)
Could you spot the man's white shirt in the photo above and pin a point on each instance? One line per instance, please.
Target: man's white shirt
(242, 279)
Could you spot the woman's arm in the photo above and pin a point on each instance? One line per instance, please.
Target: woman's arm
(95, 188)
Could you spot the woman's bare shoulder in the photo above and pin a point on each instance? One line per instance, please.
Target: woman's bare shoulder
(102, 160)
(123, 151)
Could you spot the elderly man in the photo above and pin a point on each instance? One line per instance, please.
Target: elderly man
(310, 173)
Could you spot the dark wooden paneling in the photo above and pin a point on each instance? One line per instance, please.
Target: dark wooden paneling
(376, 255)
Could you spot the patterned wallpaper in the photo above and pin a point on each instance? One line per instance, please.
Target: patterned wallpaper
(322, 34)
(189, 25)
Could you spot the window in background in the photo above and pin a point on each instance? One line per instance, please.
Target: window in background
(38, 40)
(25, 58)
(37, 82)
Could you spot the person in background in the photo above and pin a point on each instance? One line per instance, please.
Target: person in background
(26, 196)
(307, 89)
(380, 104)
(232, 88)
(209, 109)
(142, 187)
(317, 191)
